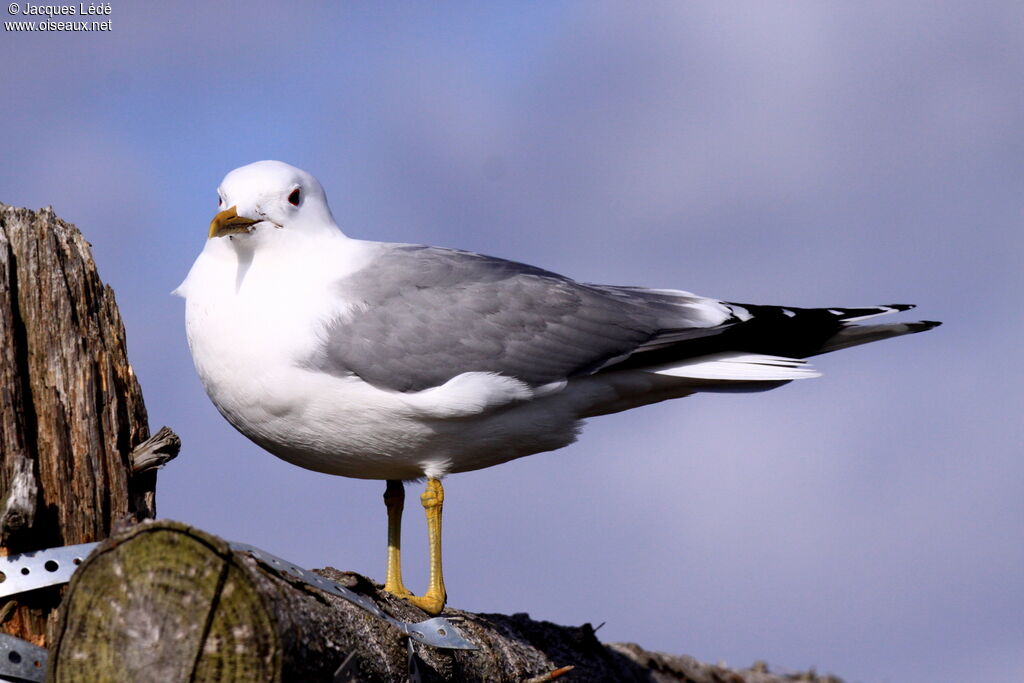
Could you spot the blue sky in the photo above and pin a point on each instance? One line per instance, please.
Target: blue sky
(869, 523)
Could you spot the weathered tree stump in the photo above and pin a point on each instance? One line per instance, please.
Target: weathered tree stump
(164, 602)
(71, 409)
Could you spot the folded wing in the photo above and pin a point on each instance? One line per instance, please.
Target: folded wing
(419, 316)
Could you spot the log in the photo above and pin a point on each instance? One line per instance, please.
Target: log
(166, 602)
(71, 410)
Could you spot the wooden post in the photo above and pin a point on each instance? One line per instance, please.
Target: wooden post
(71, 409)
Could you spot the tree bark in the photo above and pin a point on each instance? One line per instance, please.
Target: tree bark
(71, 410)
(165, 602)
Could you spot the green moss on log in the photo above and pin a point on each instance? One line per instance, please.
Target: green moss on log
(165, 603)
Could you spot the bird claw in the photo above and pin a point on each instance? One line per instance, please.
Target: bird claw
(431, 604)
(398, 591)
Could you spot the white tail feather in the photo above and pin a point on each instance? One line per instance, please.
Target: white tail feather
(883, 310)
(739, 367)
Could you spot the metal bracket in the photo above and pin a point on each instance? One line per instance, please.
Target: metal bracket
(20, 660)
(41, 568)
(436, 632)
(53, 566)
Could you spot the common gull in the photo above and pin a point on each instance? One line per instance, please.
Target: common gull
(399, 362)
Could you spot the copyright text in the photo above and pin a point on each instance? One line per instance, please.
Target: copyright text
(91, 10)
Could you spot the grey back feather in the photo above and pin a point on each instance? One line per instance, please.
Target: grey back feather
(423, 315)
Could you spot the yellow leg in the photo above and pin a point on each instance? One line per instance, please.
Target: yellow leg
(434, 599)
(394, 500)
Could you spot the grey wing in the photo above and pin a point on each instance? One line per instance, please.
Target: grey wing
(424, 315)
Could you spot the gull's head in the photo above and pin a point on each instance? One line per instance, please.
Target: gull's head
(270, 195)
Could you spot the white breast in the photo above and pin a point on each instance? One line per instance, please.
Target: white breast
(254, 315)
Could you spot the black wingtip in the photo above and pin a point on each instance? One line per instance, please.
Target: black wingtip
(902, 307)
(924, 325)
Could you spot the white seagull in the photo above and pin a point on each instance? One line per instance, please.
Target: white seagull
(398, 361)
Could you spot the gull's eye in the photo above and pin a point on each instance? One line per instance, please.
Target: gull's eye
(294, 197)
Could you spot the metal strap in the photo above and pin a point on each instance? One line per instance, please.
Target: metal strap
(41, 568)
(20, 660)
(437, 632)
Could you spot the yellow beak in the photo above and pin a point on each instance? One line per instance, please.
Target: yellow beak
(228, 222)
